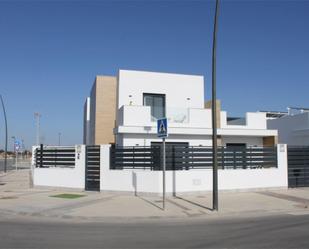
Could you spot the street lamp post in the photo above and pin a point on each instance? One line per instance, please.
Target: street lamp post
(214, 114)
(6, 135)
(37, 117)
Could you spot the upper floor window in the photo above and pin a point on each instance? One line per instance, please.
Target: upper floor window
(156, 103)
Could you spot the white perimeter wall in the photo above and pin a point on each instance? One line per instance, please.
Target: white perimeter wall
(192, 180)
(62, 177)
(151, 181)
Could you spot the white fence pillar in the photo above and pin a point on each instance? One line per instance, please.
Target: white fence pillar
(80, 164)
(104, 165)
(282, 159)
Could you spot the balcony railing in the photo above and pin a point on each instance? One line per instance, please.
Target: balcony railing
(133, 115)
(176, 115)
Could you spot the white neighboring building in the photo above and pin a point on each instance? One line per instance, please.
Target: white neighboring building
(293, 128)
(143, 97)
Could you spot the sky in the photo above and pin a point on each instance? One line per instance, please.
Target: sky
(51, 51)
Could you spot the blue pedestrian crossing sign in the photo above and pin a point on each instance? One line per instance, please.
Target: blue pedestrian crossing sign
(17, 145)
(162, 128)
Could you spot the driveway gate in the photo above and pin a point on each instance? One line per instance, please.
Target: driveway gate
(92, 176)
(298, 166)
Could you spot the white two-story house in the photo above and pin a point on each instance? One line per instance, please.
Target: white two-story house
(123, 110)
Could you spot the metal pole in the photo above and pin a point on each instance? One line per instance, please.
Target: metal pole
(37, 116)
(16, 155)
(6, 135)
(214, 114)
(164, 168)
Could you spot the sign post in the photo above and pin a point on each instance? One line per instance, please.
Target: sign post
(162, 133)
(17, 148)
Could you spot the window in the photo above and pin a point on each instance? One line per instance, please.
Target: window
(156, 103)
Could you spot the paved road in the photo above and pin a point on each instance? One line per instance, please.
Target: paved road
(286, 231)
(11, 164)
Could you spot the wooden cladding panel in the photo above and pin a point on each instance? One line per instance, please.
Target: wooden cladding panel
(270, 141)
(105, 109)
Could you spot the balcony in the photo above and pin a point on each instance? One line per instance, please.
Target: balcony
(130, 115)
(188, 121)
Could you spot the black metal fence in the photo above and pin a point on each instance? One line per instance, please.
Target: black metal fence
(185, 158)
(63, 157)
(298, 166)
(135, 157)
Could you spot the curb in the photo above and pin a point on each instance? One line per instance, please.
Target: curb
(120, 219)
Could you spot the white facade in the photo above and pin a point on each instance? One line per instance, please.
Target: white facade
(188, 120)
(292, 129)
(177, 87)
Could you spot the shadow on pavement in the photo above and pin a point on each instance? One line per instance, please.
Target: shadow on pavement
(194, 203)
(149, 202)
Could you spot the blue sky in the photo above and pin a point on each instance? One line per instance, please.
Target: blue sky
(50, 52)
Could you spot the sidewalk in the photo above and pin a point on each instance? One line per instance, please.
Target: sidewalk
(17, 198)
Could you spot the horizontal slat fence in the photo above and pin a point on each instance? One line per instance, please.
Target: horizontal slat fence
(135, 157)
(185, 158)
(63, 157)
(298, 166)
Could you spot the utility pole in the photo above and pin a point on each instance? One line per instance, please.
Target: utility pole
(6, 135)
(214, 114)
(37, 117)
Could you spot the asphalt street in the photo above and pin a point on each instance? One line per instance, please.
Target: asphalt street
(284, 231)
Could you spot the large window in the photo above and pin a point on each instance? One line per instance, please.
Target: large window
(156, 103)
